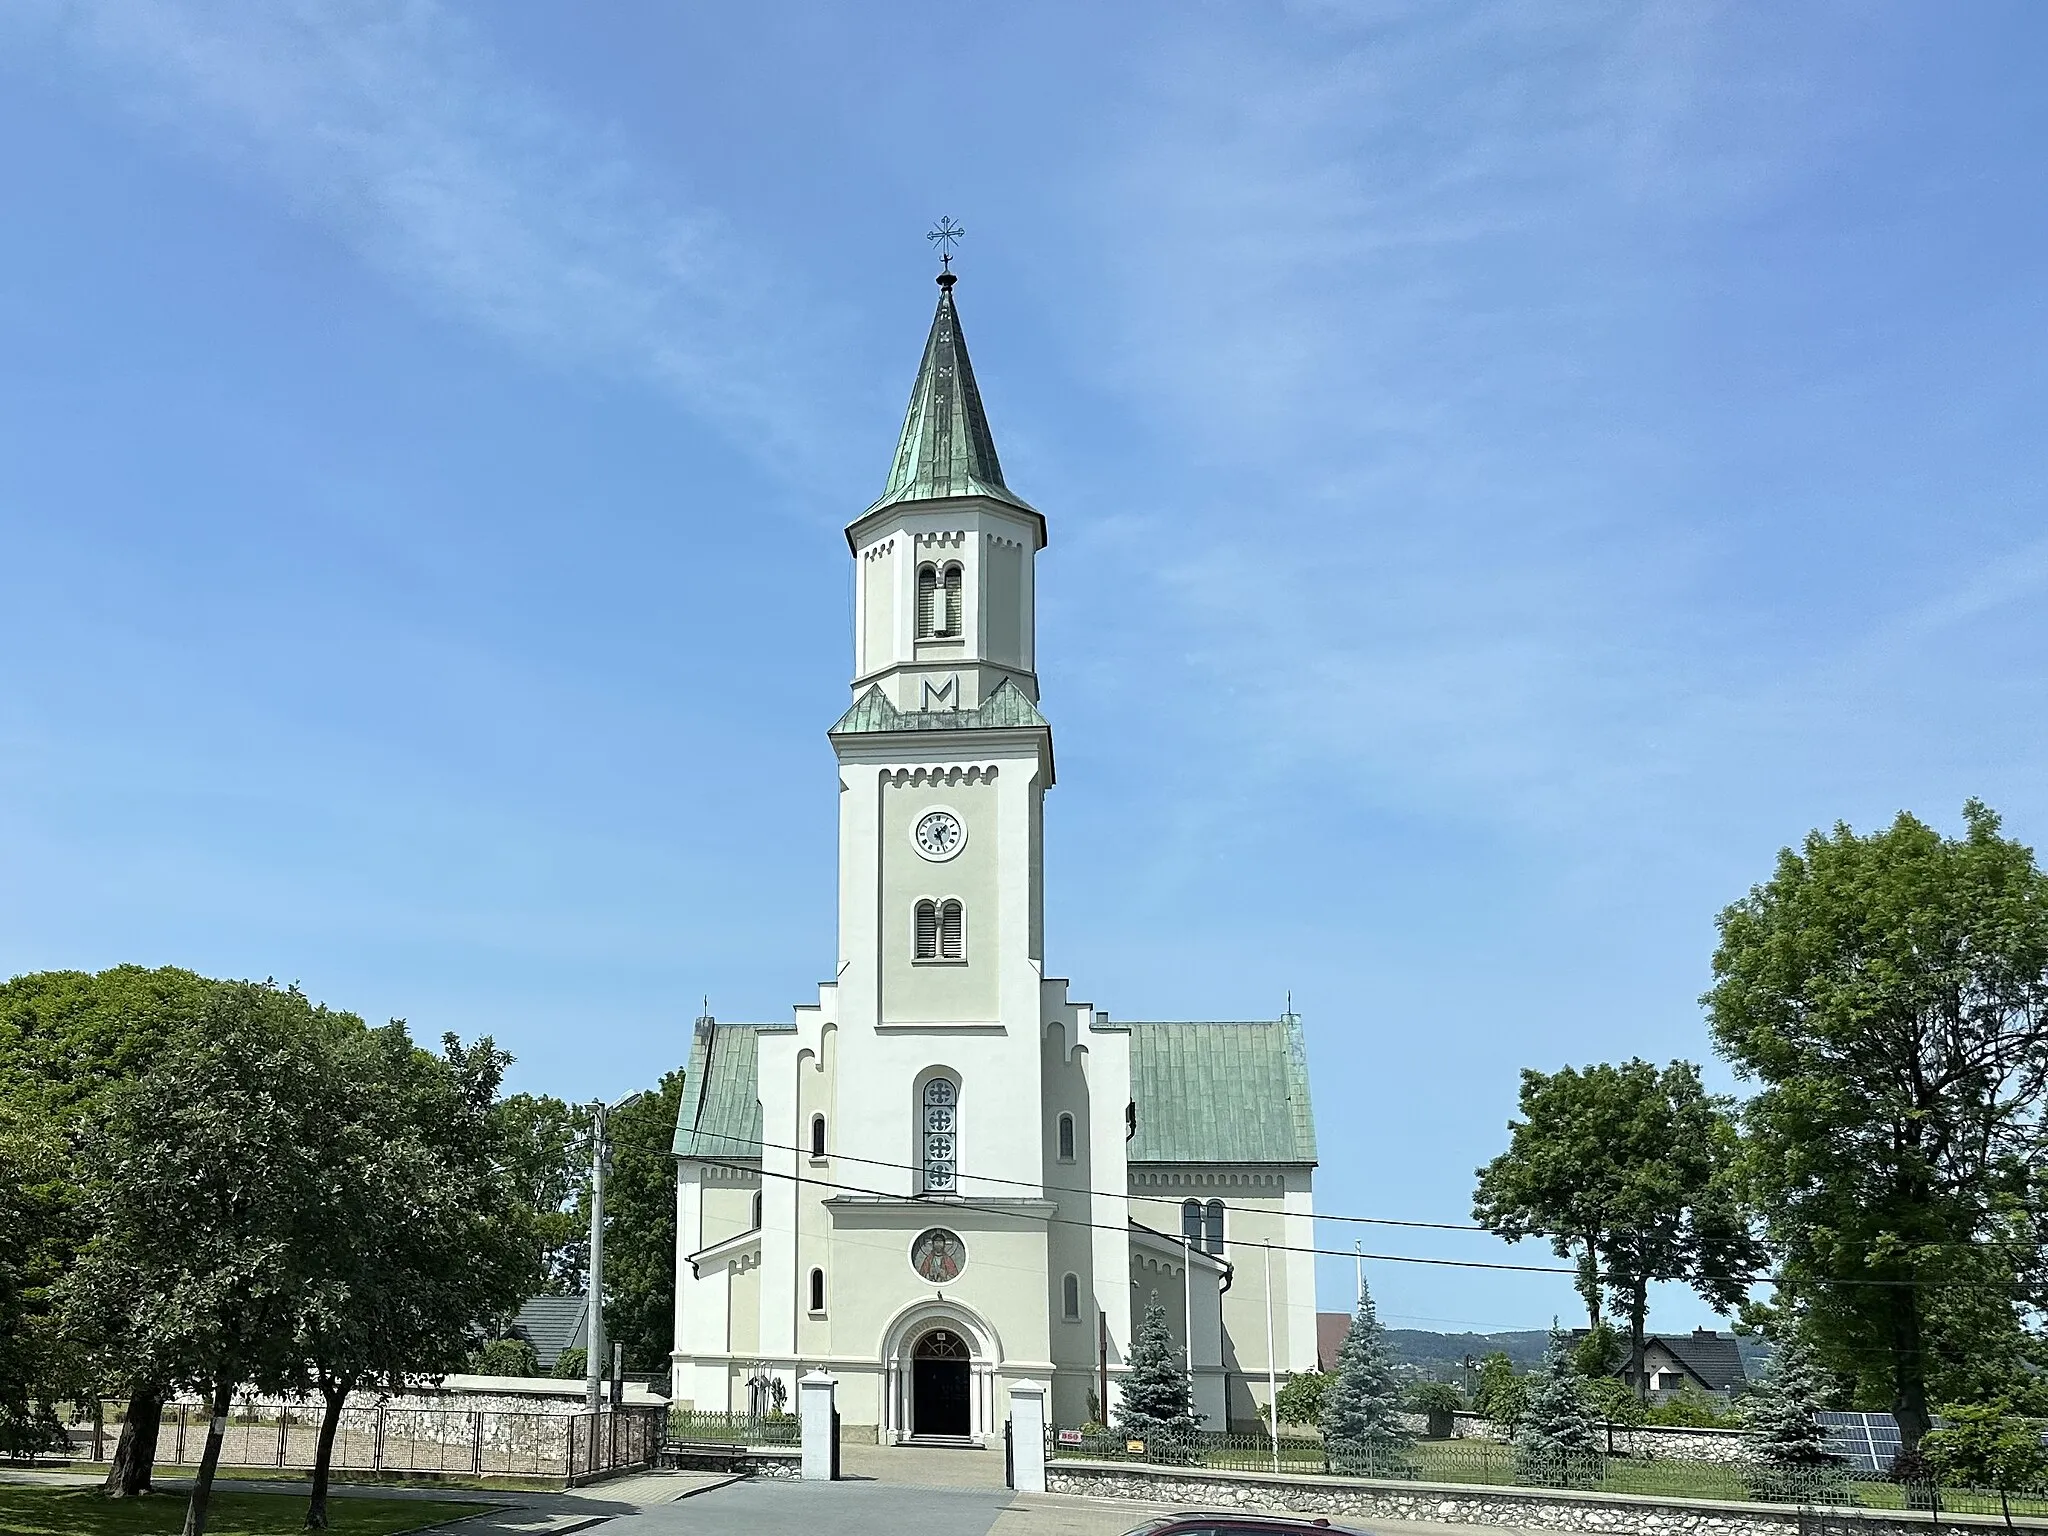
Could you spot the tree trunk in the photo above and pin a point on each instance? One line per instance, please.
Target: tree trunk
(202, 1483)
(135, 1452)
(1638, 1314)
(335, 1394)
(1909, 1372)
(1588, 1283)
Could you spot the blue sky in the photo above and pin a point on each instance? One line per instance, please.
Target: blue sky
(1510, 470)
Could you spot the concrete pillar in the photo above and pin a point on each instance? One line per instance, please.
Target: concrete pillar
(1027, 1435)
(815, 1395)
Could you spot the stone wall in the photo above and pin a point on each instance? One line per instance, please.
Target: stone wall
(1719, 1445)
(1606, 1514)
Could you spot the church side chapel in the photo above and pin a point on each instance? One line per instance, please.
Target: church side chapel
(946, 1175)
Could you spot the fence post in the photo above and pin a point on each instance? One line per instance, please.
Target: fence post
(814, 1396)
(1027, 1435)
(284, 1419)
(476, 1437)
(99, 1430)
(181, 1434)
(377, 1440)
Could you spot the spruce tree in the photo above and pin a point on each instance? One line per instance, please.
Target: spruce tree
(1788, 1455)
(1156, 1406)
(1363, 1425)
(1557, 1441)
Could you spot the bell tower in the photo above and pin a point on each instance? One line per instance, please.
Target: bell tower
(944, 762)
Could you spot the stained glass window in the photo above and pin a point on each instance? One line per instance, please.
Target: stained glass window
(941, 1132)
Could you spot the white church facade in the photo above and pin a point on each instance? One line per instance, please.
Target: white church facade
(946, 1174)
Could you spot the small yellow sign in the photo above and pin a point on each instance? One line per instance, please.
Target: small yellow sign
(1134, 1447)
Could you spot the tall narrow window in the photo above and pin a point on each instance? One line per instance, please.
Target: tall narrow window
(952, 931)
(927, 601)
(817, 1135)
(1066, 1138)
(925, 944)
(817, 1290)
(757, 1212)
(950, 612)
(1191, 1221)
(941, 1135)
(1070, 1298)
(1212, 1227)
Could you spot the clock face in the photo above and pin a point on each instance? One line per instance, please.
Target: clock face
(938, 1255)
(938, 834)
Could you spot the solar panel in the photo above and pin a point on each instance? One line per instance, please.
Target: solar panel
(1868, 1442)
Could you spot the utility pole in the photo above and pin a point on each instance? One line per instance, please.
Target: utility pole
(600, 1161)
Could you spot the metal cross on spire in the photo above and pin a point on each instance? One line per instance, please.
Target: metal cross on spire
(944, 237)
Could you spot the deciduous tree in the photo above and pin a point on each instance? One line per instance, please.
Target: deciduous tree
(1889, 994)
(1628, 1167)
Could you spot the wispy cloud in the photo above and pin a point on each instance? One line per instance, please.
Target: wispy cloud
(394, 127)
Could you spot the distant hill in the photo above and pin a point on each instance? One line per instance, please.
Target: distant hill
(1440, 1355)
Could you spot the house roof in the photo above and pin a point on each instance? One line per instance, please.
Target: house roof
(1331, 1331)
(1221, 1092)
(1708, 1355)
(1208, 1092)
(552, 1324)
(721, 1110)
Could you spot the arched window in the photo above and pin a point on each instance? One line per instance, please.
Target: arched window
(1191, 1221)
(952, 931)
(817, 1135)
(941, 1123)
(951, 594)
(757, 1211)
(925, 941)
(1066, 1138)
(927, 601)
(1212, 1227)
(817, 1290)
(1070, 1298)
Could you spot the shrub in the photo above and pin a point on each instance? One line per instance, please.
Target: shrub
(507, 1357)
(571, 1365)
(1301, 1400)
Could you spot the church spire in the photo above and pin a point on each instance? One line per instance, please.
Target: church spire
(946, 448)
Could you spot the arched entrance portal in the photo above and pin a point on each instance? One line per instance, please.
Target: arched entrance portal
(940, 1368)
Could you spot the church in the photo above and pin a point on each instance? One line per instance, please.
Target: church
(946, 1174)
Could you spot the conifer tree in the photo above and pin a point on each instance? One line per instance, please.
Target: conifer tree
(1788, 1451)
(1156, 1406)
(1557, 1442)
(1363, 1424)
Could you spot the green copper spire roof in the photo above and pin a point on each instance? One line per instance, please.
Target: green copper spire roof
(946, 449)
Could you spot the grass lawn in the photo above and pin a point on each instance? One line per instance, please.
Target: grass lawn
(27, 1510)
(488, 1483)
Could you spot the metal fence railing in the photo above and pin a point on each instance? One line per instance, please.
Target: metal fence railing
(391, 1437)
(1489, 1463)
(711, 1425)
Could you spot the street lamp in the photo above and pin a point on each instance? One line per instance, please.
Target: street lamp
(600, 1158)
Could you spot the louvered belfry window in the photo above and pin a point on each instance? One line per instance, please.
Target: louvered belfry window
(941, 1135)
(952, 931)
(927, 601)
(925, 945)
(951, 614)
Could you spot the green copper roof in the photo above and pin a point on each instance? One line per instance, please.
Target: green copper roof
(946, 449)
(1221, 1093)
(722, 1119)
(1006, 707)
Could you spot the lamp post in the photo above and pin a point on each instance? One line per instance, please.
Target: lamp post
(600, 1158)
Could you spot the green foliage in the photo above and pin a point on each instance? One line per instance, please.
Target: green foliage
(1629, 1169)
(1302, 1397)
(1362, 1416)
(1613, 1401)
(32, 1192)
(1503, 1393)
(1787, 1450)
(1690, 1408)
(507, 1357)
(1435, 1397)
(1156, 1406)
(1988, 1445)
(571, 1365)
(640, 1228)
(1557, 1444)
(546, 1149)
(1889, 994)
(1599, 1353)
